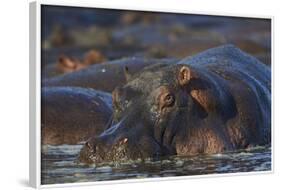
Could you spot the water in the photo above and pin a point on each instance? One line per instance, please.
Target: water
(59, 165)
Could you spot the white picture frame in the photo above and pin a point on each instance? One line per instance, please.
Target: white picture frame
(35, 93)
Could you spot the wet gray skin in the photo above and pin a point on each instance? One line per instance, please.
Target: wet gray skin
(131, 134)
(61, 123)
(104, 77)
(217, 101)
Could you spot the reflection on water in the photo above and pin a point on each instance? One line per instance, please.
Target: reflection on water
(59, 165)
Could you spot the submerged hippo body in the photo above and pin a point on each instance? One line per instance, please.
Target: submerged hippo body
(71, 115)
(105, 76)
(216, 101)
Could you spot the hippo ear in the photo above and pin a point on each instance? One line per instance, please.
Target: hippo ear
(67, 62)
(127, 74)
(184, 75)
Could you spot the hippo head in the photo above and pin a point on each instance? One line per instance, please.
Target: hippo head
(148, 109)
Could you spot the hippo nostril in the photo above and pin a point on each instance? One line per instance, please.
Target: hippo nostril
(93, 148)
(88, 145)
(123, 141)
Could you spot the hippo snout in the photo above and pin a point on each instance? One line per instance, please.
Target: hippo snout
(104, 149)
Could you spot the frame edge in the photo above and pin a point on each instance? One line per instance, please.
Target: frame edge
(33, 145)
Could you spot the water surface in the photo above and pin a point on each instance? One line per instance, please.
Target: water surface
(59, 165)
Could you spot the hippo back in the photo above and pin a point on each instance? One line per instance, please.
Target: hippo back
(71, 115)
(105, 76)
(242, 85)
(228, 56)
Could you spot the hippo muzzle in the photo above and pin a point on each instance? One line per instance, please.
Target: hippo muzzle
(120, 143)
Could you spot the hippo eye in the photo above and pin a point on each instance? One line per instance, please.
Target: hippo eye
(169, 99)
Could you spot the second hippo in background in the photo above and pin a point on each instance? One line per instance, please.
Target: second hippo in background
(216, 101)
(68, 64)
(104, 76)
(70, 115)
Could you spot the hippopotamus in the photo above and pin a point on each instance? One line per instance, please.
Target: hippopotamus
(71, 115)
(104, 77)
(216, 101)
(68, 64)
